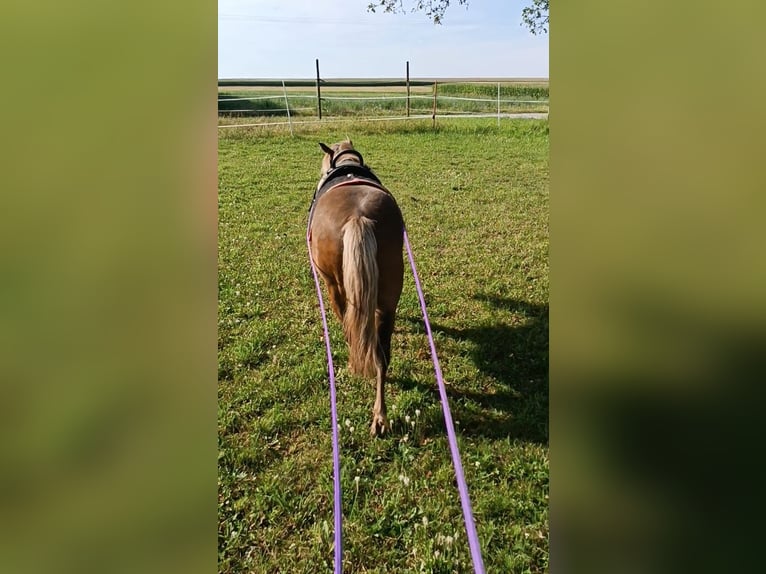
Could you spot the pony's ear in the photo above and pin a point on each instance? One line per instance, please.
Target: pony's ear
(325, 148)
(348, 139)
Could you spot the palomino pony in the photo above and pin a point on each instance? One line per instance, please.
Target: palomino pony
(356, 237)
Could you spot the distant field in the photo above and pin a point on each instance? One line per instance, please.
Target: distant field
(475, 200)
(373, 82)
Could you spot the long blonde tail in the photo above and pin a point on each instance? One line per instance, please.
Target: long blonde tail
(360, 281)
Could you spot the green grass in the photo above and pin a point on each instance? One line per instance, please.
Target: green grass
(475, 201)
(489, 90)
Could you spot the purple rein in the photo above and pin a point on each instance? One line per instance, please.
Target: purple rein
(335, 448)
(465, 501)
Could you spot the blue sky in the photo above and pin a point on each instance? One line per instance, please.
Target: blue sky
(282, 38)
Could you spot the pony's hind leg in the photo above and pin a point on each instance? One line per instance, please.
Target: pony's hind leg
(337, 299)
(324, 260)
(379, 425)
(337, 295)
(385, 325)
(392, 277)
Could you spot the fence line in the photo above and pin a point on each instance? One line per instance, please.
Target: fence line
(272, 110)
(529, 115)
(493, 100)
(330, 120)
(255, 98)
(477, 107)
(363, 98)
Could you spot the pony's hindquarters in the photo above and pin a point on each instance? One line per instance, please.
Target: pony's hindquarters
(360, 282)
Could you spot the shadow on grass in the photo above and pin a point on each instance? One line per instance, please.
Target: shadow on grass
(516, 358)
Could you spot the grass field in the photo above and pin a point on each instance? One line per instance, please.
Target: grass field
(475, 200)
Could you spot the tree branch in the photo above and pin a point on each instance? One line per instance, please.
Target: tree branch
(534, 16)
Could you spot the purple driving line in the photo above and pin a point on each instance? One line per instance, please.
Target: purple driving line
(335, 448)
(465, 501)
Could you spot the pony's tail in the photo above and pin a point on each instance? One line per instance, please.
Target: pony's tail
(360, 282)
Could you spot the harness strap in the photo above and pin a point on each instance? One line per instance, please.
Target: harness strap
(336, 156)
(336, 174)
(348, 174)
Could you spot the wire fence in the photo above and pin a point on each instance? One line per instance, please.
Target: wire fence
(264, 104)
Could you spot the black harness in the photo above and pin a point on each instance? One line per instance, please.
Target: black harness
(338, 174)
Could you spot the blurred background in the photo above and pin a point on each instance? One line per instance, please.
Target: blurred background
(107, 327)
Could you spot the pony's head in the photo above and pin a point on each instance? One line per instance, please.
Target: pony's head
(339, 153)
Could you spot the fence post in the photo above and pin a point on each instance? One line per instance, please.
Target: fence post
(287, 106)
(408, 89)
(319, 94)
(433, 116)
(498, 103)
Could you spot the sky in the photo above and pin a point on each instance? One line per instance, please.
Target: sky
(281, 39)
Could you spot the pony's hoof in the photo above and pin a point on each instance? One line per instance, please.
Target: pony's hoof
(379, 425)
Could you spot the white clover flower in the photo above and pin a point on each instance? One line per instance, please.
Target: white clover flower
(437, 554)
(357, 478)
(348, 422)
(425, 521)
(417, 412)
(351, 429)
(407, 418)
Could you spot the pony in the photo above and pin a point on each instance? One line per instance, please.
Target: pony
(355, 232)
